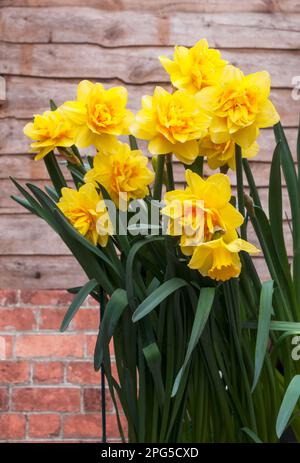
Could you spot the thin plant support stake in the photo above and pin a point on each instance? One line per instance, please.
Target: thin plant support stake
(103, 401)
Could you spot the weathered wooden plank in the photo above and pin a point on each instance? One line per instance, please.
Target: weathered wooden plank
(117, 28)
(8, 206)
(22, 104)
(132, 65)
(56, 272)
(169, 6)
(39, 272)
(27, 234)
(23, 234)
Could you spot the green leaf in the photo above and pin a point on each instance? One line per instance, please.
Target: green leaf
(54, 172)
(264, 318)
(276, 326)
(76, 303)
(153, 359)
(53, 105)
(290, 175)
(129, 278)
(113, 311)
(159, 295)
(24, 203)
(133, 143)
(288, 404)
(203, 309)
(252, 435)
(275, 209)
(250, 179)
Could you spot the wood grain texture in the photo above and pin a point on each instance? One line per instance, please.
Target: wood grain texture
(22, 104)
(114, 29)
(130, 65)
(170, 6)
(38, 272)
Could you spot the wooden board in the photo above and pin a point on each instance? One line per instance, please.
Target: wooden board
(116, 28)
(170, 6)
(136, 65)
(36, 232)
(22, 104)
(39, 272)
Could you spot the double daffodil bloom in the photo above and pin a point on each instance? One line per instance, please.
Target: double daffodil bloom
(172, 123)
(49, 130)
(219, 258)
(123, 173)
(86, 211)
(221, 154)
(194, 68)
(240, 106)
(201, 210)
(99, 115)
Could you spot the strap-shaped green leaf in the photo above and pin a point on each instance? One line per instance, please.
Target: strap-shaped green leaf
(153, 359)
(263, 328)
(76, 303)
(203, 309)
(159, 295)
(54, 172)
(288, 404)
(252, 435)
(113, 311)
(276, 326)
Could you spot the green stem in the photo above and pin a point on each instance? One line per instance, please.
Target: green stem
(169, 168)
(251, 183)
(197, 166)
(159, 175)
(240, 188)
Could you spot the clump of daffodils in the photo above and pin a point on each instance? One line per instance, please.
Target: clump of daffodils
(213, 108)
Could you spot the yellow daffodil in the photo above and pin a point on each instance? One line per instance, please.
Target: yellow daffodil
(99, 115)
(240, 106)
(86, 211)
(123, 173)
(194, 68)
(49, 130)
(220, 154)
(171, 123)
(201, 210)
(219, 258)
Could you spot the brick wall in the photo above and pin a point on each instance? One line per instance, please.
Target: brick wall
(48, 388)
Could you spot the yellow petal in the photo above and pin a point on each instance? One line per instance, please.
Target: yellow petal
(217, 190)
(83, 90)
(246, 137)
(186, 152)
(194, 181)
(231, 217)
(267, 116)
(160, 145)
(242, 245)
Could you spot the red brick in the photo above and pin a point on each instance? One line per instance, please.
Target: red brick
(50, 319)
(47, 425)
(90, 425)
(8, 297)
(92, 400)
(6, 347)
(3, 399)
(46, 399)
(91, 302)
(14, 372)
(90, 343)
(86, 319)
(48, 372)
(17, 319)
(12, 426)
(50, 345)
(46, 297)
(82, 373)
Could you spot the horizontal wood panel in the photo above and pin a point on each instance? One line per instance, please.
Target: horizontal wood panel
(170, 6)
(132, 65)
(57, 272)
(117, 28)
(23, 104)
(39, 272)
(9, 206)
(25, 235)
